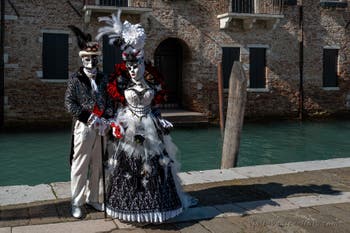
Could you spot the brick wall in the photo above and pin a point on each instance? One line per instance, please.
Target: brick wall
(194, 23)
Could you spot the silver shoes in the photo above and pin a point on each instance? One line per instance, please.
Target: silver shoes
(76, 212)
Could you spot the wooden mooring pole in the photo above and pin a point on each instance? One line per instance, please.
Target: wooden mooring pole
(234, 117)
(221, 98)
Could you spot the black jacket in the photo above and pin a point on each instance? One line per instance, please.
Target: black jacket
(80, 98)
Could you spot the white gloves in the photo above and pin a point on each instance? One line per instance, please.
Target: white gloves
(166, 124)
(99, 124)
(117, 129)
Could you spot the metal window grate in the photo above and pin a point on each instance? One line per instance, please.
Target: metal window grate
(257, 6)
(119, 3)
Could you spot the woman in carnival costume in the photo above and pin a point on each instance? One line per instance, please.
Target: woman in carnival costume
(143, 185)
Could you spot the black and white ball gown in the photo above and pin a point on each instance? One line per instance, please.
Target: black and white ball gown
(143, 186)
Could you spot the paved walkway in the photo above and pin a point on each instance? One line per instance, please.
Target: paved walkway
(295, 197)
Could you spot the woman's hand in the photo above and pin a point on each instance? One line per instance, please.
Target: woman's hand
(117, 130)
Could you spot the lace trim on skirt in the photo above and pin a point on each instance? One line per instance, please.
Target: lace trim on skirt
(151, 217)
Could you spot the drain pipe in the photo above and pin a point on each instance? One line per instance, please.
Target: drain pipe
(301, 63)
(2, 73)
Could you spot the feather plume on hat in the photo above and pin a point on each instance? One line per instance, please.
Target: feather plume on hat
(129, 37)
(85, 43)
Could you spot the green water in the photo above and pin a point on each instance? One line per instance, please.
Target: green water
(42, 157)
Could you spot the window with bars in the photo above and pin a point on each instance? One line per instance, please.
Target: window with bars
(119, 3)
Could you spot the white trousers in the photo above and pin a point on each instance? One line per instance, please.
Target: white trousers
(86, 166)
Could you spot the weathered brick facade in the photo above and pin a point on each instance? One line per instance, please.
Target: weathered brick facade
(194, 23)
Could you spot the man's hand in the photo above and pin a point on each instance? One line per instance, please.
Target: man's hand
(99, 124)
(94, 121)
(104, 127)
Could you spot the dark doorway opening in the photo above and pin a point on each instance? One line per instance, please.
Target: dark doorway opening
(168, 59)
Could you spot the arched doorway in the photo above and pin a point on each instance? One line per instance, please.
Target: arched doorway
(168, 58)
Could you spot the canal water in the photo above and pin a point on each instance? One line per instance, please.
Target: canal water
(42, 157)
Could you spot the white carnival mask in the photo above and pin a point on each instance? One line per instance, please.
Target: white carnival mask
(136, 70)
(90, 61)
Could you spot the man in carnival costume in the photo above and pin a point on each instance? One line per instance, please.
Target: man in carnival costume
(86, 99)
(143, 184)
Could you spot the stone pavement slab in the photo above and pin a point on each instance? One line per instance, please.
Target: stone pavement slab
(263, 206)
(161, 228)
(317, 165)
(123, 225)
(264, 223)
(25, 194)
(15, 216)
(299, 184)
(196, 213)
(311, 220)
(5, 230)
(42, 214)
(216, 175)
(225, 192)
(320, 199)
(343, 206)
(61, 189)
(191, 227)
(227, 210)
(333, 210)
(91, 226)
(342, 176)
(128, 231)
(262, 170)
(220, 225)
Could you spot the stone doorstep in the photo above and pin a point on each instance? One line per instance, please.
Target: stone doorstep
(13, 195)
(182, 118)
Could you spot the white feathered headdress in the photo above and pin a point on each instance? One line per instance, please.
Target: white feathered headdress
(130, 37)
